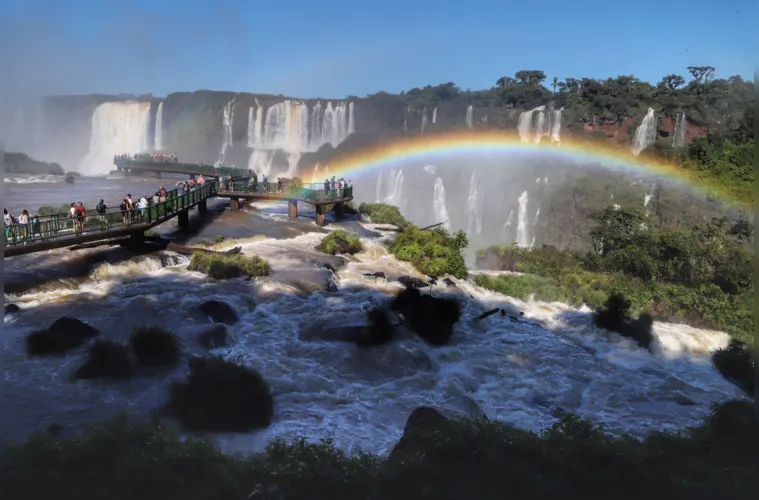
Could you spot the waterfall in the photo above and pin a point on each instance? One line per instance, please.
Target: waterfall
(507, 225)
(351, 123)
(424, 119)
(228, 118)
(645, 134)
(470, 116)
(434, 115)
(158, 142)
(524, 125)
(540, 125)
(555, 130)
(522, 236)
(430, 169)
(315, 177)
(647, 197)
(474, 205)
(678, 139)
(117, 128)
(260, 161)
(439, 210)
(405, 119)
(394, 189)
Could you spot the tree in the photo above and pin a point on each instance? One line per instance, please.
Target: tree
(531, 77)
(555, 83)
(506, 82)
(616, 228)
(702, 74)
(671, 82)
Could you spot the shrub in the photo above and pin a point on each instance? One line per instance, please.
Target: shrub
(380, 213)
(433, 252)
(615, 316)
(62, 336)
(338, 242)
(220, 267)
(736, 362)
(221, 396)
(218, 239)
(106, 359)
(155, 346)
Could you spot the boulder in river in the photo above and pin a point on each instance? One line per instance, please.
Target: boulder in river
(422, 422)
(378, 331)
(106, 359)
(11, 308)
(411, 282)
(155, 346)
(219, 312)
(220, 396)
(214, 337)
(62, 336)
(430, 317)
(378, 274)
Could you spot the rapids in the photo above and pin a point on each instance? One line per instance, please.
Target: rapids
(515, 372)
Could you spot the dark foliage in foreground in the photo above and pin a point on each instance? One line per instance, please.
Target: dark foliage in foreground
(221, 396)
(106, 359)
(736, 362)
(615, 316)
(439, 459)
(62, 336)
(155, 346)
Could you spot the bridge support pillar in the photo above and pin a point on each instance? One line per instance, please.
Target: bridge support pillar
(339, 212)
(137, 238)
(321, 219)
(234, 203)
(202, 207)
(292, 208)
(183, 219)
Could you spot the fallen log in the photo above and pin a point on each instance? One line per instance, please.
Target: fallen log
(434, 225)
(185, 250)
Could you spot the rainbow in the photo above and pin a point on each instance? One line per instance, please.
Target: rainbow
(428, 149)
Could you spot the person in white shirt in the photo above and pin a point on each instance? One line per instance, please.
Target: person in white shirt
(8, 223)
(23, 222)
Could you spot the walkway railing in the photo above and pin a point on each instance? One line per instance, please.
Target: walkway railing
(57, 226)
(168, 165)
(312, 192)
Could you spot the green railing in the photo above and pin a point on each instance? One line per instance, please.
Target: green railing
(313, 192)
(57, 226)
(189, 168)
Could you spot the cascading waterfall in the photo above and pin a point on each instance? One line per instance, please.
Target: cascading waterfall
(645, 134)
(424, 119)
(439, 210)
(678, 139)
(405, 119)
(474, 205)
(228, 118)
(434, 115)
(158, 142)
(117, 128)
(540, 124)
(351, 121)
(507, 226)
(393, 184)
(532, 127)
(555, 125)
(647, 197)
(260, 161)
(523, 239)
(524, 125)
(470, 116)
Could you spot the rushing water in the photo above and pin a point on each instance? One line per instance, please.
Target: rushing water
(516, 372)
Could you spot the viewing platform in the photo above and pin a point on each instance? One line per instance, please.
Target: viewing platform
(59, 231)
(142, 165)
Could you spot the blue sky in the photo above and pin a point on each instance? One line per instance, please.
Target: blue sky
(334, 48)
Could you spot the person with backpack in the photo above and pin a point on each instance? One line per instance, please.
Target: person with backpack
(101, 208)
(81, 215)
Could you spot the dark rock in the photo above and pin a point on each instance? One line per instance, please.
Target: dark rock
(330, 267)
(378, 274)
(331, 283)
(12, 308)
(155, 346)
(220, 396)
(430, 317)
(63, 335)
(378, 331)
(106, 359)
(411, 282)
(449, 282)
(213, 337)
(615, 316)
(422, 422)
(220, 312)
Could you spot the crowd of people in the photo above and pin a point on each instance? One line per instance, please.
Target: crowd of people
(155, 156)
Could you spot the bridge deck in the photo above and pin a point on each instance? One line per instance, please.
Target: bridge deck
(177, 167)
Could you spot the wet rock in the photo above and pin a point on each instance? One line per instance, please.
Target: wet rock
(106, 359)
(430, 317)
(155, 346)
(378, 331)
(387, 227)
(329, 267)
(449, 282)
(12, 308)
(411, 282)
(214, 337)
(62, 336)
(332, 284)
(422, 422)
(378, 274)
(220, 312)
(220, 396)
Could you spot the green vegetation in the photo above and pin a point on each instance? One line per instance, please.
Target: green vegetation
(434, 252)
(702, 276)
(218, 239)
(155, 346)
(338, 242)
(380, 213)
(106, 359)
(572, 459)
(53, 210)
(220, 267)
(19, 163)
(736, 362)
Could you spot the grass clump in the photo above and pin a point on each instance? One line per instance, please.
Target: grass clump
(572, 459)
(221, 396)
(736, 363)
(155, 346)
(62, 336)
(218, 239)
(379, 213)
(338, 242)
(228, 266)
(434, 252)
(106, 359)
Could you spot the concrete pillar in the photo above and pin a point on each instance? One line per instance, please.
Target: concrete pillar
(339, 212)
(321, 220)
(292, 208)
(234, 203)
(202, 207)
(183, 218)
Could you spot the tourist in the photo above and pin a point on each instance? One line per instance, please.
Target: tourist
(82, 216)
(142, 205)
(36, 226)
(23, 223)
(279, 184)
(201, 180)
(130, 208)
(326, 184)
(73, 217)
(124, 207)
(101, 208)
(7, 224)
(162, 194)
